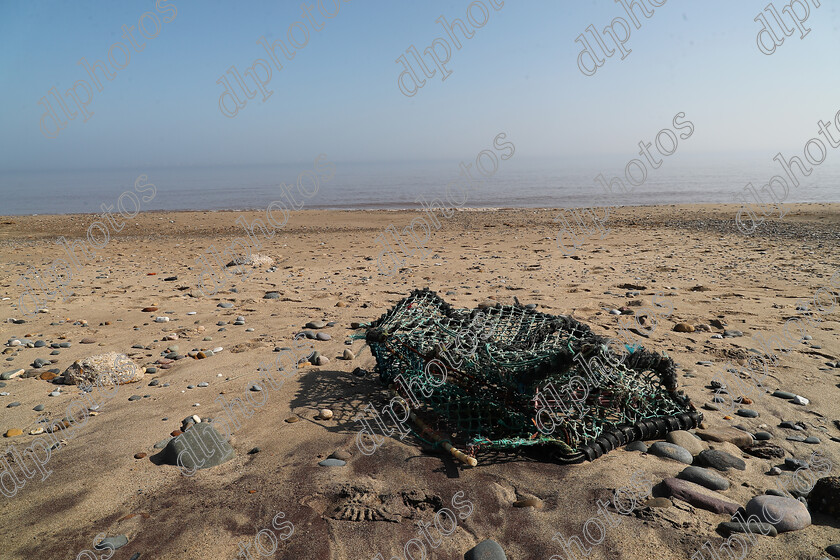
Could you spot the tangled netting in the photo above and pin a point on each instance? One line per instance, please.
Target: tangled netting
(491, 397)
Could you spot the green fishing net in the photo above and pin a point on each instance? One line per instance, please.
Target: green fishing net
(507, 376)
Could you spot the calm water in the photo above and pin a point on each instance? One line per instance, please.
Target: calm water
(518, 183)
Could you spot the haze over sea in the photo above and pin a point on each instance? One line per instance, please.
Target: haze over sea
(520, 182)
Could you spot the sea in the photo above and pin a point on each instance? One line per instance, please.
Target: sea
(519, 182)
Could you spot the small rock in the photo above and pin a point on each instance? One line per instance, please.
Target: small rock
(38, 408)
(762, 436)
(332, 463)
(486, 550)
(87, 341)
(292, 419)
(671, 451)
(783, 395)
(13, 404)
(687, 441)
(322, 361)
(797, 399)
(315, 325)
(134, 398)
(323, 336)
(785, 514)
(636, 446)
(721, 460)
(254, 451)
(683, 327)
(139, 455)
(834, 550)
(704, 477)
(14, 432)
(694, 495)
(347, 354)
(754, 527)
(325, 414)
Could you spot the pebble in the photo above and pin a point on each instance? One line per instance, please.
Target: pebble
(272, 295)
(687, 441)
(203, 384)
(38, 408)
(315, 325)
(307, 334)
(671, 451)
(799, 400)
(791, 426)
(12, 374)
(332, 463)
(704, 477)
(87, 341)
(636, 446)
(256, 388)
(783, 395)
(721, 460)
(254, 451)
(754, 527)
(139, 455)
(683, 327)
(225, 305)
(36, 431)
(149, 309)
(348, 354)
(793, 463)
(834, 550)
(732, 334)
(13, 404)
(115, 542)
(812, 439)
(161, 319)
(322, 361)
(325, 414)
(292, 419)
(486, 550)
(14, 432)
(774, 471)
(323, 336)
(152, 369)
(762, 436)
(55, 394)
(747, 413)
(791, 514)
(134, 398)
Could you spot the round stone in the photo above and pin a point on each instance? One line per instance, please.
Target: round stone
(763, 436)
(38, 408)
(486, 550)
(348, 354)
(687, 441)
(783, 395)
(323, 336)
(783, 513)
(325, 414)
(332, 463)
(721, 460)
(316, 324)
(671, 451)
(636, 446)
(834, 550)
(747, 413)
(14, 432)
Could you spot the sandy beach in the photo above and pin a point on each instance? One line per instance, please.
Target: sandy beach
(325, 267)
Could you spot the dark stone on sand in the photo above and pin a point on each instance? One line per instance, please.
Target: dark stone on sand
(765, 450)
(112, 542)
(637, 446)
(188, 449)
(754, 527)
(721, 460)
(704, 477)
(486, 550)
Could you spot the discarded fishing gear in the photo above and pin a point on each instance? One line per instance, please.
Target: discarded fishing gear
(492, 378)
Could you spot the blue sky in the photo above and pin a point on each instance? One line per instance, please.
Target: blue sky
(339, 94)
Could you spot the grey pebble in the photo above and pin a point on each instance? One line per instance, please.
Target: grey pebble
(671, 451)
(135, 398)
(332, 463)
(38, 408)
(225, 305)
(747, 413)
(323, 336)
(12, 404)
(636, 446)
(763, 436)
(315, 325)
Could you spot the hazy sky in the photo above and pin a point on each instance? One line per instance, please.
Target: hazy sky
(339, 94)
